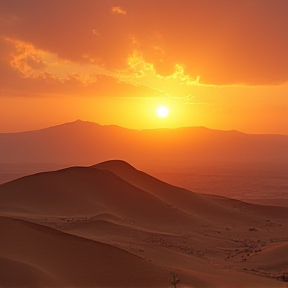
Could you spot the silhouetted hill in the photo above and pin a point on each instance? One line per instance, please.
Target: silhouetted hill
(85, 192)
(85, 143)
(190, 202)
(115, 188)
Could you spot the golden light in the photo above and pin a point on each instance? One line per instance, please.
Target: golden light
(162, 111)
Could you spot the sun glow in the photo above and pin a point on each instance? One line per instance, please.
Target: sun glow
(162, 111)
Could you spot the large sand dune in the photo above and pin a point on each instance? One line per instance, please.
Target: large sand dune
(86, 192)
(53, 258)
(111, 225)
(193, 203)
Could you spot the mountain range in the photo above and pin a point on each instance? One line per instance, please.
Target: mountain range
(85, 143)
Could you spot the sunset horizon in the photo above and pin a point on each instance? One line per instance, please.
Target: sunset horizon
(129, 128)
(219, 65)
(144, 143)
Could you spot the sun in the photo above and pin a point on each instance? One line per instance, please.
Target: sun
(162, 111)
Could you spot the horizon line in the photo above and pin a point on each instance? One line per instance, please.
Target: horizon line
(143, 129)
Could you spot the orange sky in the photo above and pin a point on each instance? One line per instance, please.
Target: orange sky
(221, 64)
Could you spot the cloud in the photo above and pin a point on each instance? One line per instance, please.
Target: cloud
(171, 48)
(140, 72)
(118, 10)
(41, 73)
(26, 59)
(33, 63)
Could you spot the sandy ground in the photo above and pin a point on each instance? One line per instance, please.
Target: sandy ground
(111, 225)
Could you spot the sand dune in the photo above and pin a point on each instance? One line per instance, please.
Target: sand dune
(193, 203)
(23, 273)
(86, 192)
(58, 259)
(116, 220)
(273, 257)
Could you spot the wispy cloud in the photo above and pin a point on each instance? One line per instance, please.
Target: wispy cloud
(141, 72)
(32, 62)
(118, 10)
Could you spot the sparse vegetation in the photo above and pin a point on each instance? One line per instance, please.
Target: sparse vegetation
(253, 229)
(284, 277)
(174, 279)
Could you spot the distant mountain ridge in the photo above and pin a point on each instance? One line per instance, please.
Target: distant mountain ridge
(84, 143)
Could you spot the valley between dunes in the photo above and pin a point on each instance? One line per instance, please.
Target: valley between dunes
(111, 225)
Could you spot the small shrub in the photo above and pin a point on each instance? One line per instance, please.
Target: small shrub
(253, 229)
(174, 280)
(284, 277)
